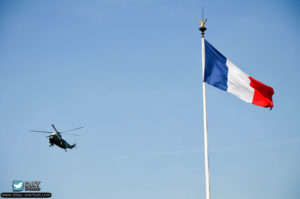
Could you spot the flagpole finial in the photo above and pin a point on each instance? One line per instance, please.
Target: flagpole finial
(202, 27)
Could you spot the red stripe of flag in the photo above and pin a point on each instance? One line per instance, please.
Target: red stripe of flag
(262, 94)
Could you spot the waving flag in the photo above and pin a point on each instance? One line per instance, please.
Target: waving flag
(223, 74)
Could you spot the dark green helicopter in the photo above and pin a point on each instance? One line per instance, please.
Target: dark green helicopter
(56, 138)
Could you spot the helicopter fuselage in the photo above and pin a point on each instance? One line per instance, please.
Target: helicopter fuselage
(58, 141)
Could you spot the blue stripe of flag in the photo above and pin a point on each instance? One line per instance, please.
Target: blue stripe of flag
(216, 71)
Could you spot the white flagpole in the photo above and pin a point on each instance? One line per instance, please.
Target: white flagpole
(202, 29)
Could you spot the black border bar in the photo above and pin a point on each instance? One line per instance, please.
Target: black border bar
(26, 195)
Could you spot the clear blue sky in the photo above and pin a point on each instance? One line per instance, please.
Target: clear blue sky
(129, 71)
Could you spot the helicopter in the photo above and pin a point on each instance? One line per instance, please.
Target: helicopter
(55, 137)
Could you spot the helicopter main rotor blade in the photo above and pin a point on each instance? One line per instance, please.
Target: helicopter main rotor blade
(73, 129)
(54, 127)
(40, 131)
(70, 134)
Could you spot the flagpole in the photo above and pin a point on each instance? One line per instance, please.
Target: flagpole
(202, 29)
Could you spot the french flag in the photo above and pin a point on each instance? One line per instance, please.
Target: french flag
(220, 72)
